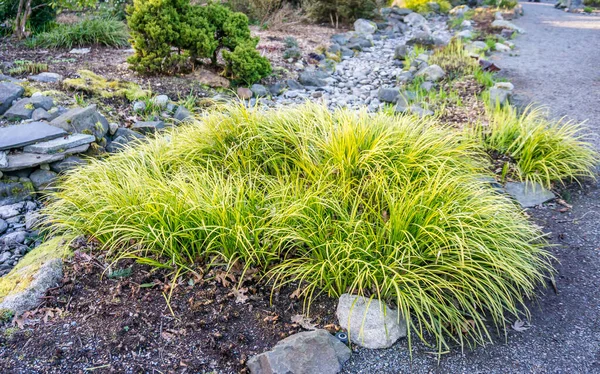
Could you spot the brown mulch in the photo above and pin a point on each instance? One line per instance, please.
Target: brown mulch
(147, 322)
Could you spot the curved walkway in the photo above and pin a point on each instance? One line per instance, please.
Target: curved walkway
(558, 66)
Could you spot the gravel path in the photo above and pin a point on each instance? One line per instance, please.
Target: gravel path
(558, 67)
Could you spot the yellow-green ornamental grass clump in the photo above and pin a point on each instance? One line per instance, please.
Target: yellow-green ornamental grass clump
(545, 152)
(390, 207)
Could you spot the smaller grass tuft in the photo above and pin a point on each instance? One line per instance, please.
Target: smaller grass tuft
(544, 151)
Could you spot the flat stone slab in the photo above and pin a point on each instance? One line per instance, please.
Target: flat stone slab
(60, 144)
(46, 77)
(18, 136)
(528, 195)
(25, 160)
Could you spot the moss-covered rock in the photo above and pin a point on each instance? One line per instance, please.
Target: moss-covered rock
(96, 85)
(37, 271)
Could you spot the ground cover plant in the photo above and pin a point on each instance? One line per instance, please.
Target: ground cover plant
(90, 31)
(383, 206)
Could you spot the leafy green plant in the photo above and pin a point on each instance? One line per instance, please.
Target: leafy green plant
(544, 151)
(390, 207)
(588, 9)
(171, 35)
(422, 6)
(245, 64)
(90, 31)
(340, 10)
(454, 60)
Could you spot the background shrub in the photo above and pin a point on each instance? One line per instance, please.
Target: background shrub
(169, 34)
(41, 16)
(421, 6)
(382, 206)
(336, 11)
(90, 31)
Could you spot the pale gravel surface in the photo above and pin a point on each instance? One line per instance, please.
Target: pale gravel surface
(558, 67)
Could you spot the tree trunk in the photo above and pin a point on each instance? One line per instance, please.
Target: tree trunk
(23, 13)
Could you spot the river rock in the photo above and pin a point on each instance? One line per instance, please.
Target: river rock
(400, 52)
(388, 95)
(83, 120)
(415, 20)
(502, 24)
(68, 163)
(363, 26)
(432, 73)
(313, 78)
(148, 127)
(308, 352)
(244, 93)
(22, 109)
(42, 179)
(369, 322)
(9, 92)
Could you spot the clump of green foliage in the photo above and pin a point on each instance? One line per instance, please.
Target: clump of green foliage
(171, 35)
(245, 64)
(501, 4)
(27, 67)
(454, 60)
(41, 16)
(422, 6)
(544, 151)
(339, 11)
(377, 205)
(88, 32)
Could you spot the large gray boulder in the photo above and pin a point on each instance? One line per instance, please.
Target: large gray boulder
(83, 120)
(9, 92)
(369, 322)
(309, 352)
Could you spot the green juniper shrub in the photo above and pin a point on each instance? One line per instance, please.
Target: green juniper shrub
(245, 64)
(172, 35)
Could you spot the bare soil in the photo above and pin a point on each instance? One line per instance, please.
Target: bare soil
(145, 321)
